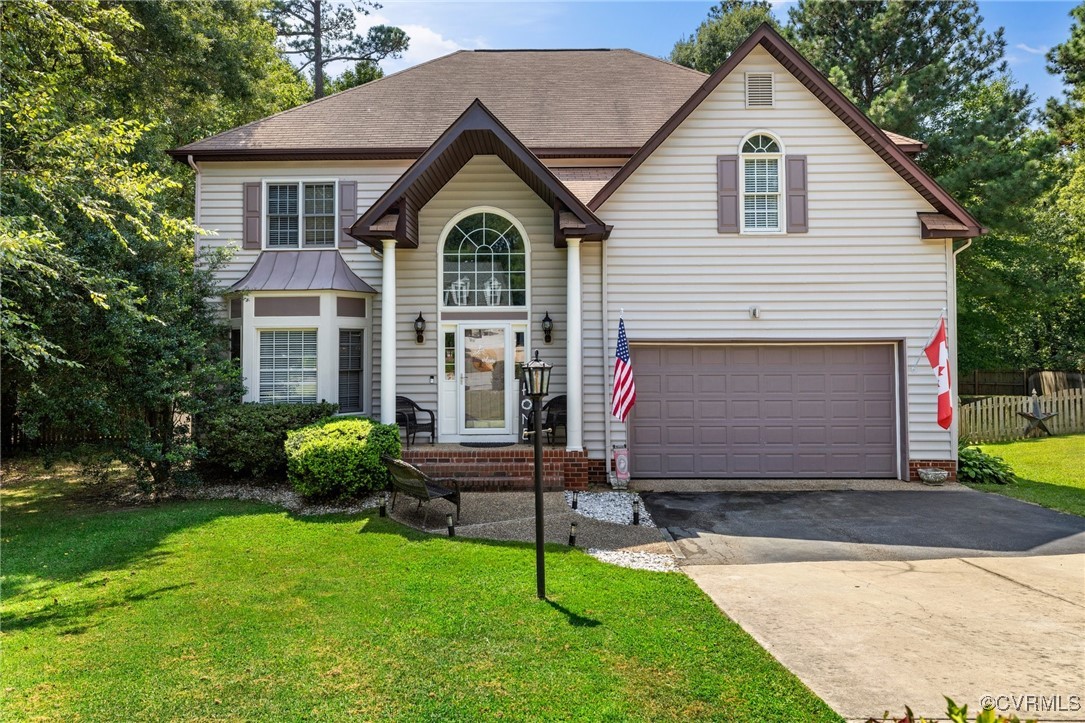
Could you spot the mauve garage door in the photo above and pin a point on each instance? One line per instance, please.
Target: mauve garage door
(764, 411)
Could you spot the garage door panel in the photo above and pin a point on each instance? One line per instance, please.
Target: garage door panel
(711, 383)
(712, 436)
(744, 384)
(764, 411)
(777, 409)
(745, 409)
(712, 409)
(746, 435)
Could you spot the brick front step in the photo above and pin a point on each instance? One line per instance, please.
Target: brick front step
(506, 468)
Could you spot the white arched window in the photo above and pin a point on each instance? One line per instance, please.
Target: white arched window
(484, 262)
(761, 157)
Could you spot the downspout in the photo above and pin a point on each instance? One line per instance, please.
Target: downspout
(608, 452)
(199, 190)
(955, 439)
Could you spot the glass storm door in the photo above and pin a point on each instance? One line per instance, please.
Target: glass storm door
(485, 379)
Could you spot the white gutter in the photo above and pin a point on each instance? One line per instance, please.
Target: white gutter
(955, 437)
(199, 190)
(608, 452)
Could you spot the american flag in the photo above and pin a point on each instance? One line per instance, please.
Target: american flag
(625, 391)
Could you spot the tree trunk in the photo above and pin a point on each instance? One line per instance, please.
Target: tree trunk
(318, 51)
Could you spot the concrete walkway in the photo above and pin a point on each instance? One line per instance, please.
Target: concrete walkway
(511, 516)
(878, 600)
(868, 637)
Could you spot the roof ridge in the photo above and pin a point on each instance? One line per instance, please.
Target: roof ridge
(666, 62)
(315, 101)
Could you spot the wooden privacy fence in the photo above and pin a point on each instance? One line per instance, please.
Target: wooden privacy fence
(995, 419)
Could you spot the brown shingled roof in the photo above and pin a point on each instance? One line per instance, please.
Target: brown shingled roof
(570, 99)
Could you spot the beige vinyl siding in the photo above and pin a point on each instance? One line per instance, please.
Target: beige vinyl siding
(594, 351)
(861, 272)
(221, 214)
(483, 181)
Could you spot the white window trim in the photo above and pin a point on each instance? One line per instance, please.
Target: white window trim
(441, 307)
(300, 183)
(781, 206)
(327, 323)
(260, 361)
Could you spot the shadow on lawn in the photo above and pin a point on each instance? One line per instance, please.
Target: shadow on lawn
(48, 541)
(61, 613)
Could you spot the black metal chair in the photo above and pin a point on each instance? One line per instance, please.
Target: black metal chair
(413, 482)
(407, 411)
(554, 416)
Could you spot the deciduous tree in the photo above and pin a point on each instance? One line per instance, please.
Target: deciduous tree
(727, 25)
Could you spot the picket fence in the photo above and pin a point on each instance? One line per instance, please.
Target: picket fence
(995, 419)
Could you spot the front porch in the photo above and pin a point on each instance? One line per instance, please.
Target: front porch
(503, 469)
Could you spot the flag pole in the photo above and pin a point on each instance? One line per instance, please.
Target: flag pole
(941, 315)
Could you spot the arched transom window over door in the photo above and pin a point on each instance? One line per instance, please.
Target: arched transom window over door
(484, 263)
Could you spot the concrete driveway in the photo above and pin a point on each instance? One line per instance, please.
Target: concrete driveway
(881, 599)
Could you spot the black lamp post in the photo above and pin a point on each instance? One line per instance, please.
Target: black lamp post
(537, 382)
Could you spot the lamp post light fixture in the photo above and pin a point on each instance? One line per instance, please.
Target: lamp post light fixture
(636, 510)
(420, 328)
(451, 526)
(547, 327)
(576, 494)
(537, 383)
(572, 535)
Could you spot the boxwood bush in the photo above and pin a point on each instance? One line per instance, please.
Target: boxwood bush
(247, 439)
(340, 457)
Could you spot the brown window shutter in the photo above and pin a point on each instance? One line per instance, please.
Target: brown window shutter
(797, 219)
(253, 218)
(727, 189)
(348, 213)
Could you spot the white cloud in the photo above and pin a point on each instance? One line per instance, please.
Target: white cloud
(425, 43)
(1042, 50)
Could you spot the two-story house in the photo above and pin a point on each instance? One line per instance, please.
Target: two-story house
(779, 260)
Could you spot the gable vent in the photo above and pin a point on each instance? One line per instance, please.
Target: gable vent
(758, 90)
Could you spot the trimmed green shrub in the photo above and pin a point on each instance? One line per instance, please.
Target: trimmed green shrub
(247, 439)
(975, 466)
(340, 457)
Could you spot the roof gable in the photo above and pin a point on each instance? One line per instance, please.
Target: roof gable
(476, 132)
(803, 71)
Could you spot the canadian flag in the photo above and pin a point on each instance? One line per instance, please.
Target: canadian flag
(937, 352)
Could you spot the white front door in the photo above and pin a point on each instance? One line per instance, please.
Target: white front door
(485, 379)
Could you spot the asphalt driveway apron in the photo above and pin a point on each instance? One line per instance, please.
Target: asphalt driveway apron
(881, 599)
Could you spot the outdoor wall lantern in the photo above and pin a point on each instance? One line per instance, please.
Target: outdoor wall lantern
(547, 327)
(537, 384)
(420, 328)
(537, 377)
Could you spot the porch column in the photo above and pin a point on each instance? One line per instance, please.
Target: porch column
(388, 333)
(573, 358)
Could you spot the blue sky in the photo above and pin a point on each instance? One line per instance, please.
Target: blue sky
(437, 28)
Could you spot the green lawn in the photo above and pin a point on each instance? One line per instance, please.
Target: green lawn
(229, 610)
(1050, 470)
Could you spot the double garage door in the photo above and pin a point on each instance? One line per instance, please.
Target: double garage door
(772, 411)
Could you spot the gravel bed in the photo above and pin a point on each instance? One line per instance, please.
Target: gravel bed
(610, 507)
(636, 560)
(281, 496)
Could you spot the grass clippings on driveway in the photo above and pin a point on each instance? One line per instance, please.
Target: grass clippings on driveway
(225, 609)
(1050, 471)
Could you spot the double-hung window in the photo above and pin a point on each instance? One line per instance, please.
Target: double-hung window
(301, 212)
(761, 184)
(288, 365)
